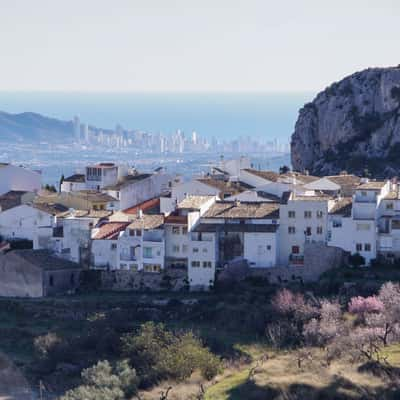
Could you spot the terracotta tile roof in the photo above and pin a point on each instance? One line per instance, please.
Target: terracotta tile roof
(269, 175)
(110, 230)
(301, 178)
(144, 206)
(240, 210)
(342, 207)
(223, 186)
(147, 221)
(50, 208)
(345, 180)
(194, 202)
(93, 195)
(393, 195)
(372, 185)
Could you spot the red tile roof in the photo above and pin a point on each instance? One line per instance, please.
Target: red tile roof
(176, 219)
(110, 230)
(144, 206)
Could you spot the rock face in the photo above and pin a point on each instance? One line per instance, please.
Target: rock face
(353, 125)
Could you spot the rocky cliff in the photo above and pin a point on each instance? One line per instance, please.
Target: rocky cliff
(353, 125)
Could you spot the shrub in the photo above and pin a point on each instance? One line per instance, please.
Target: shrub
(103, 382)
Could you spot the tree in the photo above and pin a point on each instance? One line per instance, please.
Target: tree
(363, 305)
(161, 354)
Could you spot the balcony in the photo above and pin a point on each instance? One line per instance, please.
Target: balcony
(128, 257)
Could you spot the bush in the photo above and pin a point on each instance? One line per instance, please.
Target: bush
(103, 382)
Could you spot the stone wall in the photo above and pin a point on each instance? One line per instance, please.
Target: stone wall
(120, 280)
(318, 258)
(60, 281)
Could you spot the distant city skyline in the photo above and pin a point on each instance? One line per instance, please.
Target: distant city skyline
(187, 45)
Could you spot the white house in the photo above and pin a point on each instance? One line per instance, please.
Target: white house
(73, 183)
(302, 219)
(178, 225)
(18, 178)
(131, 190)
(100, 175)
(33, 222)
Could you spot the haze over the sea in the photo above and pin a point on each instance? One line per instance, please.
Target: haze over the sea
(223, 115)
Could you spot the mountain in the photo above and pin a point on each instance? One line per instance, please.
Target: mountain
(32, 127)
(352, 125)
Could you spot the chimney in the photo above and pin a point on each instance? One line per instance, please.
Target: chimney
(140, 213)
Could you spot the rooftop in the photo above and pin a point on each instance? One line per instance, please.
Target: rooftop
(147, 221)
(50, 208)
(79, 178)
(392, 195)
(194, 202)
(147, 205)
(110, 230)
(44, 259)
(240, 210)
(268, 175)
(345, 180)
(372, 185)
(174, 219)
(224, 186)
(342, 207)
(93, 195)
(126, 180)
(302, 178)
(210, 228)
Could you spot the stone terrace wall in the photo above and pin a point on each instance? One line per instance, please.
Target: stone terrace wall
(318, 258)
(120, 280)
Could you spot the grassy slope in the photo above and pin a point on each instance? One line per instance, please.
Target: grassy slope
(279, 378)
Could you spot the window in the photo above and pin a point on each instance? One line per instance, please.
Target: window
(175, 248)
(295, 249)
(176, 230)
(195, 264)
(51, 280)
(319, 230)
(207, 264)
(292, 214)
(389, 206)
(307, 232)
(113, 246)
(307, 214)
(260, 250)
(195, 249)
(184, 230)
(147, 252)
(131, 232)
(138, 232)
(184, 248)
(320, 214)
(205, 250)
(291, 230)
(367, 247)
(358, 247)
(268, 247)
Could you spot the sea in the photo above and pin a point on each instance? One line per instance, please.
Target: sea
(225, 116)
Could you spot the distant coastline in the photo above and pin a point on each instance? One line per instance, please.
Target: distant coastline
(223, 115)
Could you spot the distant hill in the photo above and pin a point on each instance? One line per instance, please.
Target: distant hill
(33, 127)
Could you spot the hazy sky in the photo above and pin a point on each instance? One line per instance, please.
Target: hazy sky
(185, 45)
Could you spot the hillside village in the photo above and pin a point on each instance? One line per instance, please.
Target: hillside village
(283, 226)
